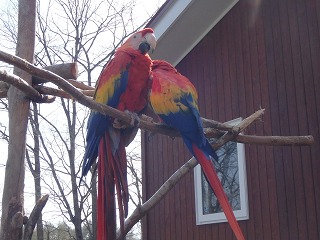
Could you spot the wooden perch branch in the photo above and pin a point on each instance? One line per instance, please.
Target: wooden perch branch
(69, 71)
(276, 140)
(228, 136)
(141, 210)
(265, 140)
(182, 171)
(211, 126)
(4, 86)
(34, 216)
(79, 85)
(208, 123)
(60, 93)
(28, 90)
(126, 118)
(3, 94)
(64, 70)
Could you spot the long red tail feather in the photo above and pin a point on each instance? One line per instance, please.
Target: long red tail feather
(106, 210)
(120, 170)
(212, 177)
(112, 172)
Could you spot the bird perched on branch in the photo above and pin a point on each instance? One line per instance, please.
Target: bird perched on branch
(174, 99)
(123, 84)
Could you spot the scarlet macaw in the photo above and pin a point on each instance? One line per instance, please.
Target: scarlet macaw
(123, 84)
(174, 99)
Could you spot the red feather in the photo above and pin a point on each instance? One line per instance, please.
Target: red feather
(112, 173)
(135, 96)
(212, 177)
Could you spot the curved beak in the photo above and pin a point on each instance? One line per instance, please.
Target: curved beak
(151, 40)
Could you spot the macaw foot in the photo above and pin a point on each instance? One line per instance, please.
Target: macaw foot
(146, 118)
(135, 120)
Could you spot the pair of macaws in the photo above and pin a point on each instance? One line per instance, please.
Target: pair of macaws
(124, 84)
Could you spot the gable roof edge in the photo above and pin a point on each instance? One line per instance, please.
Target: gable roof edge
(181, 24)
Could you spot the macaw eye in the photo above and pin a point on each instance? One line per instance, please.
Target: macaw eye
(134, 36)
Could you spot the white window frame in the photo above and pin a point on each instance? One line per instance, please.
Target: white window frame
(243, 213)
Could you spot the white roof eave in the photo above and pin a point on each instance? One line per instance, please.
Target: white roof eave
(183, 23)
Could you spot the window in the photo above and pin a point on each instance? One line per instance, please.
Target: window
(231, 170)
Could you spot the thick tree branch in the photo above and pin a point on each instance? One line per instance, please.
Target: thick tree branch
(209, 123)
(228, 136)
(64, 70)
(182, 171)
(141, 210)
(145, 124)
(266, 140)
(33, 218)
(4, 86)
(60, 93)
(211, 126)
(3, 94)
(27, 89)
(79, 85)
(68, 71)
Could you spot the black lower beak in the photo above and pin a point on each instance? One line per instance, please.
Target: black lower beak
(144, 47)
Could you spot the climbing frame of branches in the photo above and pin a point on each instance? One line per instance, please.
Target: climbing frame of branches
(83, 94)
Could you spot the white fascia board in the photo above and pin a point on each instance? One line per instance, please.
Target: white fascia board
(167, 18)
(182, 25)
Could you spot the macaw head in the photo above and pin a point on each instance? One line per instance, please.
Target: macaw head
(143, 41)
(162, 65)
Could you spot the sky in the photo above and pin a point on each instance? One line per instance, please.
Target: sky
(144, 9)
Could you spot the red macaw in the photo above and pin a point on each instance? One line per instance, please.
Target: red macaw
(123, 84)
(174, 99)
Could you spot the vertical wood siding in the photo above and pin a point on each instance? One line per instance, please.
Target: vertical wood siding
(265, 57)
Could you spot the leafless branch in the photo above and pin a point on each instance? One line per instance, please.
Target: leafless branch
(24, 87)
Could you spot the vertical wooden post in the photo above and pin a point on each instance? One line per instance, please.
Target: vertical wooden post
(12, 199)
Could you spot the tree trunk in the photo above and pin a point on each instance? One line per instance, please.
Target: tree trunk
(12, 199)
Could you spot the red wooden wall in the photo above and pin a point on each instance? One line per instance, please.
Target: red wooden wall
(269, 57)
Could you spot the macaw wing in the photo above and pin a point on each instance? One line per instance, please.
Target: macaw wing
(111, 85)
(174, 99)
(113, 80)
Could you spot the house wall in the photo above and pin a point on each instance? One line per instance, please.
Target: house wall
(267, 56)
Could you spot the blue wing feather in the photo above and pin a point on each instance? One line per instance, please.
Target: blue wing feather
(98, 123)
(120, 86)
(189, 124)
